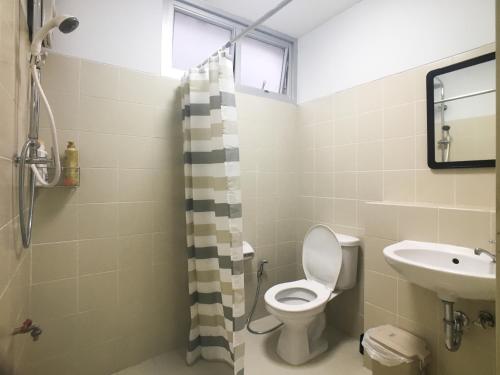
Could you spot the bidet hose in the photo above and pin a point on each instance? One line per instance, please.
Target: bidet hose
(260, 272)
(53, 130)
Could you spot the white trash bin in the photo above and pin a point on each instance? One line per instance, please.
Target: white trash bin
(395, 352)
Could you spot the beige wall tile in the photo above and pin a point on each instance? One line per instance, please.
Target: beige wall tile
(8, 130)
(370, 186)
(418, 223)
(370, 96)
(418, 304)
(476, 188)
(399, 89)
(324, 134)
(136, 251)
(54, 261)
(421, 117)
(62, 74)
(376, 316)
(344, 158)
(65, 108)
(266, 183)
(98, 185)
(464, 227)
(345, 212)
(100, 80)
(98, 150)
(346, 185)
(306, 136)
(381, 291)
(55, 223)
(135, 185)
(374, 258)
(399, 186)
(142, 88)
(6, 187)
(381, 221)
(53, 300)
(324, 210)
(97, 255)
(324, 184)
(345, 130)
(399, 153)
(370, 156)
(286, 253)
(435, 187)
(97, 220)
(399, 121)
(98, 291)
(370, 126)
(324, 160)
(421, 152)
(135, 218)
(345, 103)
(135, 152)
(98, 115)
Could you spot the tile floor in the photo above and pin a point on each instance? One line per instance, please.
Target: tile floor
(342, 357)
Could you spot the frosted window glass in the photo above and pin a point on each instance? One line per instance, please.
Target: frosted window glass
(194, 40)
(261, 62)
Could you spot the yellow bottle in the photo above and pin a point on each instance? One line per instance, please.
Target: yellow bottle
(70, 165)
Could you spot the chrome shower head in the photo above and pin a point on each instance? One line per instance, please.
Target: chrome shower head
(65, 24)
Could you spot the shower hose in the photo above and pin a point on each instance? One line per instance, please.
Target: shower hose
(53, 131)
(260, 272)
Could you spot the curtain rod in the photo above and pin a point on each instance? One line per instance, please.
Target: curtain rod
(249, 28)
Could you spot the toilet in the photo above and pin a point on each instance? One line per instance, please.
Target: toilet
(330, 265)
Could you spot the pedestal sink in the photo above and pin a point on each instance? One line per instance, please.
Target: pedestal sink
(451, 271)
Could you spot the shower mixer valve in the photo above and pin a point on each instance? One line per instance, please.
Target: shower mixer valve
(28, 327)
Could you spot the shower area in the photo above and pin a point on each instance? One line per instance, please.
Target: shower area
(94, 274)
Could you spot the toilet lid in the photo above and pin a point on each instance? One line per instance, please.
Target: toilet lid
(322, 256)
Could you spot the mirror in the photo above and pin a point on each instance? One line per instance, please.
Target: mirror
(461, 114)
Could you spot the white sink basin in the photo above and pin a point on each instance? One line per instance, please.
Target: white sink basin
(451, 271)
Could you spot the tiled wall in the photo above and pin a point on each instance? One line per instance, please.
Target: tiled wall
(269, 188)
(14, 260)
(109, 265)
(368, 143)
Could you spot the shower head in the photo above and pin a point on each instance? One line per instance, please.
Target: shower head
(66, 24)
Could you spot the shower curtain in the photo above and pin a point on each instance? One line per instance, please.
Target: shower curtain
(213, 214)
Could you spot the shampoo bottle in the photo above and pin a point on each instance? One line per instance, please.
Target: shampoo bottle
(70, 165)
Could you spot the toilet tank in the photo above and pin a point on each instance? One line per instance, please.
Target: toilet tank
(349, 269)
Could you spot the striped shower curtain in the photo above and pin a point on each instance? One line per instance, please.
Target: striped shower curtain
(213, 214)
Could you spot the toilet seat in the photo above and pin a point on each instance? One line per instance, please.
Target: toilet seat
(285, 296)
(321, 259)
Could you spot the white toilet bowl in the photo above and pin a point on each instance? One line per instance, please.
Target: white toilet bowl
(300, 304)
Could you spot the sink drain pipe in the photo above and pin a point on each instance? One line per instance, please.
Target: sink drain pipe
(454, 324)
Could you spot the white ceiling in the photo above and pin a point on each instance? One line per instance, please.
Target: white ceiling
(296, 19)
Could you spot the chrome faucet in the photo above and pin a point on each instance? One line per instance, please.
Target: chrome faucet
(479, 251)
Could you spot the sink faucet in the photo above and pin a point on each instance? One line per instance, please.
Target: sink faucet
(479, 251)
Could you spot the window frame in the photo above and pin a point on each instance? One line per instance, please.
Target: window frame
(230, 22)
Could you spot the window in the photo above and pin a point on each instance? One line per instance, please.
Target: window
(263, 65)
(204, 37)
(263, 60)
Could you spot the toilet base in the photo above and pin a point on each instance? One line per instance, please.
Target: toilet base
(299, 342)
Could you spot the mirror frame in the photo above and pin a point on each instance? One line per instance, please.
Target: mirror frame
(431, 157)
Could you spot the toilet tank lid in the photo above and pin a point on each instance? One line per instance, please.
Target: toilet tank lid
(346, 240)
